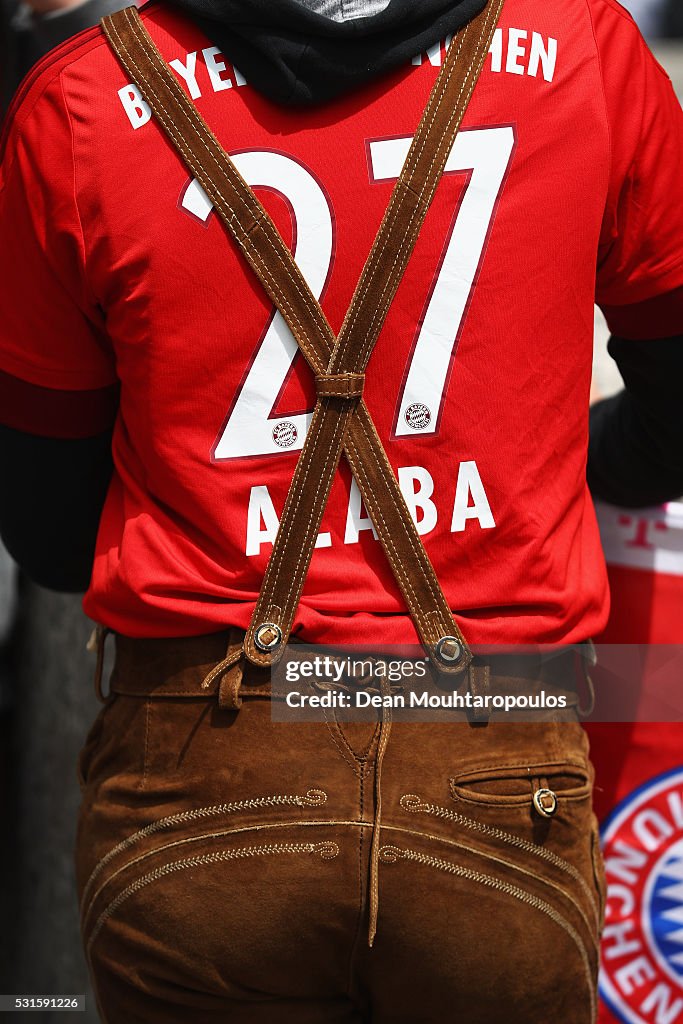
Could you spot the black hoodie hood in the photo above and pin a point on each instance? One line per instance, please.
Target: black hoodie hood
(298, 56)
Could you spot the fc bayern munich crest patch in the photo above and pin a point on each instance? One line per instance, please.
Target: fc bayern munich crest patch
(285, 434)
(418, 416)
(642, 950)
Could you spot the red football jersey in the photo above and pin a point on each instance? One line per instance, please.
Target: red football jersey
(564, 184)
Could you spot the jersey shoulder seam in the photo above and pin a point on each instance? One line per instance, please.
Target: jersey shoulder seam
(43, 74)
(53, 65)
(621, 11)
(602, 82)
(618, 9)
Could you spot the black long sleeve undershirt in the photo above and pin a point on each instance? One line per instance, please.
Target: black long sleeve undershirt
(51, 498)
(635, 455)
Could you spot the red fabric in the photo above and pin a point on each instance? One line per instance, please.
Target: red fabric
(572, 144)
(638, 321)
(60, 414)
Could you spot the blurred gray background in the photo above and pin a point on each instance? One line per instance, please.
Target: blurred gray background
(47, 701)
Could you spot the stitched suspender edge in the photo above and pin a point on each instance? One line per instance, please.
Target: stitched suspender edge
(314, 320)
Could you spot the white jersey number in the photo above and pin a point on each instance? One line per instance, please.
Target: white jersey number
(250, 429)
(486, 152)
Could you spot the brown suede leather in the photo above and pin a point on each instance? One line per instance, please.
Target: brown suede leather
(223, 863)
(340, 420)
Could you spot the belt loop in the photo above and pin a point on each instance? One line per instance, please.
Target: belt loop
(230, 673)
(479, 686)
(97, 643)
(229, 691)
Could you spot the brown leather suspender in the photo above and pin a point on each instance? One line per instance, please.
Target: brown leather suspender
(341, 420)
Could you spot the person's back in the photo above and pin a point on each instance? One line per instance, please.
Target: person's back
(559, 189)
(480, 378)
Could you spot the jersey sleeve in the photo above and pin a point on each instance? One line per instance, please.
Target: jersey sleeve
(52, 332)
(641, 245)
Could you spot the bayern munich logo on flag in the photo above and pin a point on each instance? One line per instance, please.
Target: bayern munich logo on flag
(642, 950)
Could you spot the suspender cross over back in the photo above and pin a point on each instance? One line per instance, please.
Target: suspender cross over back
(341, 421)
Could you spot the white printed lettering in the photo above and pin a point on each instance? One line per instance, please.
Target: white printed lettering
(419, 498)
(628, 901)
(417, 486)
(623, 865)
(261, 511)
(215, 67)
(487, 152)
(496, 51)
(652, 829)
(355, 520)
(634, 974)
(187, 72)
(249, 429)
(622, 946)
(545, 56)
(469, 485)
(515, 51)
(137, 110)
(661, 1000)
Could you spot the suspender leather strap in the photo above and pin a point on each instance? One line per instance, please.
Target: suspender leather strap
(341, 420)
